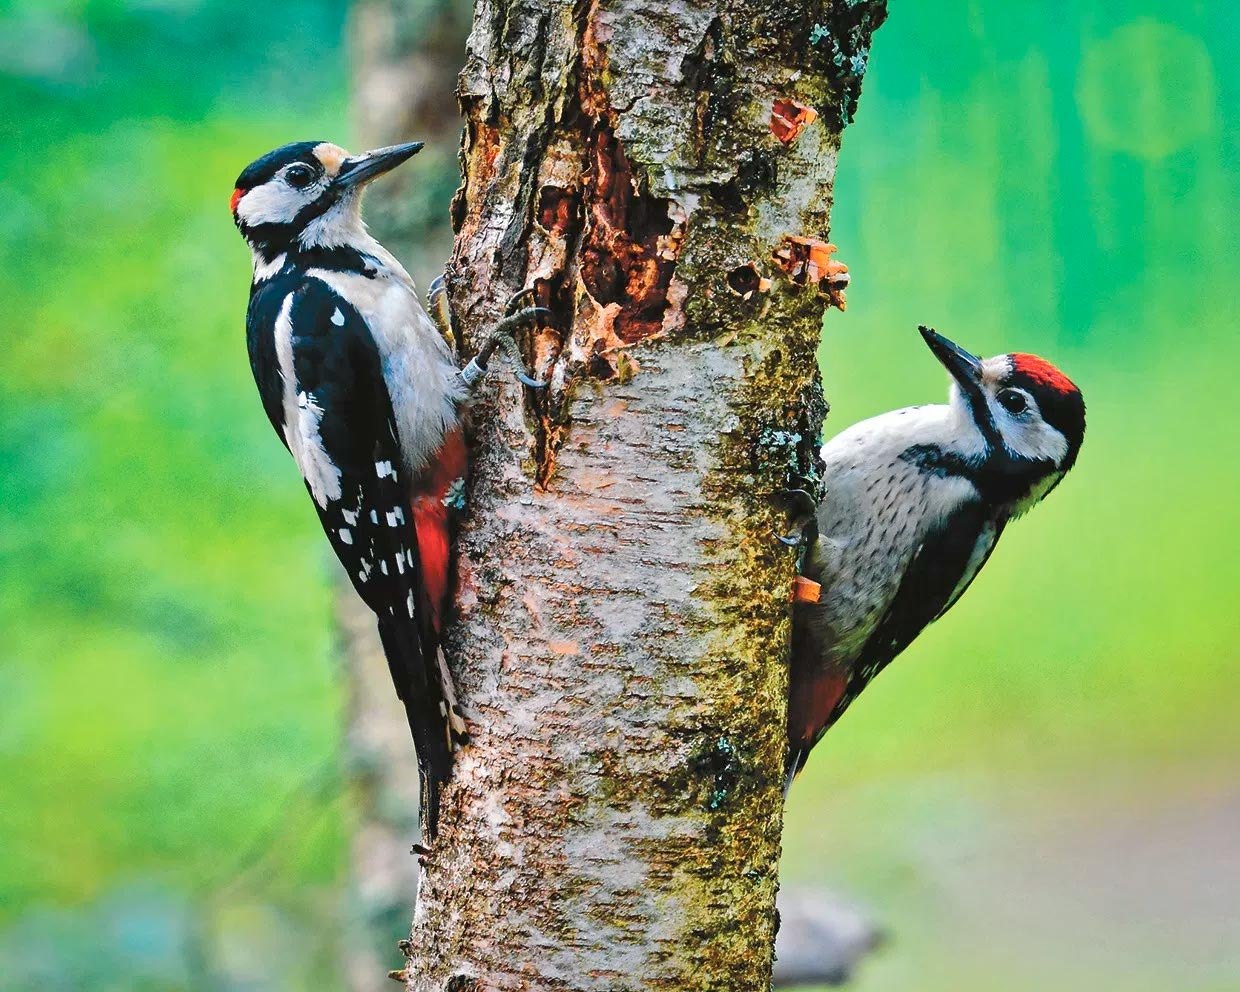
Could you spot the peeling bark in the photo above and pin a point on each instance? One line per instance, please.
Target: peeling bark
(623, 606)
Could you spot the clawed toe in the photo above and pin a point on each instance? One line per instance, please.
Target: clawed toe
(509, 347)
(516, 319)
(529, 380)
(798, 507)
(518, 301)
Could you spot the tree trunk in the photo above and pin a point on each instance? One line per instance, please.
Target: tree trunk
(660, 173)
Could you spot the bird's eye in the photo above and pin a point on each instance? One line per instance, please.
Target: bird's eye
(298, 176)
(1013, 400)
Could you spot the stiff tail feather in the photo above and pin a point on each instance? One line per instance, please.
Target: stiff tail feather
(794, 763)
(417, 683)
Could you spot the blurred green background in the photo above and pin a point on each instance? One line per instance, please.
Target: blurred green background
(1043, 795)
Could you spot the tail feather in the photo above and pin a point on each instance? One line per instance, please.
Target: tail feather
(795, 762)
(417, 683)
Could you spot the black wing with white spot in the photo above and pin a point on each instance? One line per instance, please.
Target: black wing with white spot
(334, 414)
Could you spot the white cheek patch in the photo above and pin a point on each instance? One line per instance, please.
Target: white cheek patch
(274, 202)
(1030, 436)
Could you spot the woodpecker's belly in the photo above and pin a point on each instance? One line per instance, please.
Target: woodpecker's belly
(418, 367)
(878, 511)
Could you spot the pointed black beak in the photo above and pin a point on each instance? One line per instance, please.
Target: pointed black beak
(965, 368)
(357, 170)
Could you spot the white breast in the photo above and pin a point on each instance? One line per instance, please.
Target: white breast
(418, 367)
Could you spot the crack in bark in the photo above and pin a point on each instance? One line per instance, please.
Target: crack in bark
(631, 244)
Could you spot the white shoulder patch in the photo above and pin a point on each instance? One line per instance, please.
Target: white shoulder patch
(302, 416)
(264, 270)
(338, 317)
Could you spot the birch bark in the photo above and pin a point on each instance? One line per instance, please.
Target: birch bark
(661, 174)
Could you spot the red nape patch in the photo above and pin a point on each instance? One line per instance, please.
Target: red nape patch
(237, 194)
(1042, 373)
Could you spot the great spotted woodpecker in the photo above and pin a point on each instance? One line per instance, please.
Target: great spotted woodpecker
(915, 501)
(364, 390)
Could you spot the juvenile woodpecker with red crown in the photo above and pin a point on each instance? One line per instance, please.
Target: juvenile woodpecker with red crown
(915, 501)
(364, 390)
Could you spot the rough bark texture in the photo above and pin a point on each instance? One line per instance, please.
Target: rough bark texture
(661, 173)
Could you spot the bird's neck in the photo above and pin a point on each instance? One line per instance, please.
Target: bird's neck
(336, 240)
(364, 256)
(944, 440)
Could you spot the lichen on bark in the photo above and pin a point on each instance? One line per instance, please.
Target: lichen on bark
(623, 605)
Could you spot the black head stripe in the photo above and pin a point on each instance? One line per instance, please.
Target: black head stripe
(933, 460)
(262, 169)
(984, 420)
(1066, 413)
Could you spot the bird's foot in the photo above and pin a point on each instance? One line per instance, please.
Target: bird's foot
(522, 299)
(510, 349)
(516, 316)
(521, 311)
(796, 503)
(799, 506)
(439, 310)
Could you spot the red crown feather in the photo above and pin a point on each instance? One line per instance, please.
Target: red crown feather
(1040, 372)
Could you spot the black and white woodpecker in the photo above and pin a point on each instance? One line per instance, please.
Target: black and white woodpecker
(364, 390)
(915, 501)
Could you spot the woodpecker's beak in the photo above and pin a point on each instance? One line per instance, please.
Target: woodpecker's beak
(357, 170)
(965, 368)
